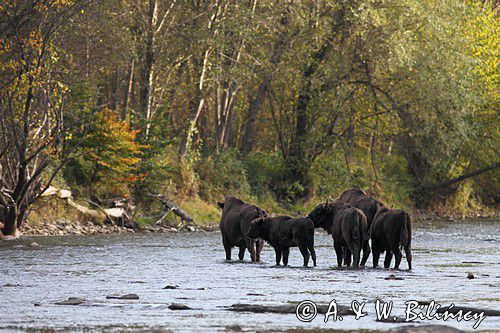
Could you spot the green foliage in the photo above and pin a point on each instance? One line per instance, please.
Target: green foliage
(263, 172)
(222, 174)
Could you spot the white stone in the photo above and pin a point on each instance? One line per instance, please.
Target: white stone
(51, 190)
(64, 194)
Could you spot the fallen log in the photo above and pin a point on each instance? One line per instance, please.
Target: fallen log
(286, 308)
(171, 206)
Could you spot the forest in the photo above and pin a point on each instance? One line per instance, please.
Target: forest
(282, 103)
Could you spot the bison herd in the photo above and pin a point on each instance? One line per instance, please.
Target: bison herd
(353, 220)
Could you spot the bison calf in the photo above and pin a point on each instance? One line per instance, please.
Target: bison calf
(234, 224)
(391, 230)
(283, 232)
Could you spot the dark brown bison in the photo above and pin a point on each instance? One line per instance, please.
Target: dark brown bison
(348, 228)
(234, 224)
(351, 195)
(391, 230)
(359, 199)
(368, 205)
(283, 232)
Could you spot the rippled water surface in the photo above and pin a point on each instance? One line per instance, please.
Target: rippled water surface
(92, 267)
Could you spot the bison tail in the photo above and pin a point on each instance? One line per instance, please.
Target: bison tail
(405, 236)
(357, 229)
(365, 231)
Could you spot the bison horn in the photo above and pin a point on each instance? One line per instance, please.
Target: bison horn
(330, 199)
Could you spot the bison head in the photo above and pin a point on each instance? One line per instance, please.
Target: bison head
(255, 230)
(320, 214)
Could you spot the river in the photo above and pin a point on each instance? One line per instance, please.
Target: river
(92, 267)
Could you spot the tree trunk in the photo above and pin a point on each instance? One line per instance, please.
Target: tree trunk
(128, 94)
(256, 101)
(297, 164)
(10, 221)
(248, 139)
(147, 65)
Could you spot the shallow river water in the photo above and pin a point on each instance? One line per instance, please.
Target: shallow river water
(92, 267)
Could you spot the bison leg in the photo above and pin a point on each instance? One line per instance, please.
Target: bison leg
(366, 252)
(241, 254)
(347, 257)
(251, 248)
(388, 259)
(277, 250)
(259, 244)
(408, 255)
(338, 252)
(286, 252)
(397, 255)
(313, 253)
(356, 255)
(376, 256)
(305, 254)
(227, 247)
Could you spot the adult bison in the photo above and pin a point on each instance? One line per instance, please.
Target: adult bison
(351, 195)
(234, 224)
(368, 205)
(359, 199)
(348, 228)
(283, 232)
(391, 230)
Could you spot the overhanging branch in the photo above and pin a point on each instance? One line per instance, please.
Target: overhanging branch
(462, 177)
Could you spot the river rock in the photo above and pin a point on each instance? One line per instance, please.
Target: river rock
(171, 287)
(470, 276)
(179, 306)
(71, 301)
(234, 328)
(425, 329)
(126, 296)
(34, 245)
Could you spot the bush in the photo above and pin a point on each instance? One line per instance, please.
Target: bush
(329, 175)
(222, 174)
(263, 172)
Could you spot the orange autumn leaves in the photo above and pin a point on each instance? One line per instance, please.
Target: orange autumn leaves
(113, 149)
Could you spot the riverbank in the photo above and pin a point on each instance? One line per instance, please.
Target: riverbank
(60, 227)
(58, 215)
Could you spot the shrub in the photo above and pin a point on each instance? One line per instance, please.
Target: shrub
(222, 174)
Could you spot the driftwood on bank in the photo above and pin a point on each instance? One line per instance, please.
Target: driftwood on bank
(169, 205)
(117, 212)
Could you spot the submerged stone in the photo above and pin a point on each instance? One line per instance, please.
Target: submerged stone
(179, 306)
(126, 296)
(72, 301)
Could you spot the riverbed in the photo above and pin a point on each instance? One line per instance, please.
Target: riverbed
(193, 266)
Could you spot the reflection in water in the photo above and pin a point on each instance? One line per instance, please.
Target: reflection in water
(92, 267)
